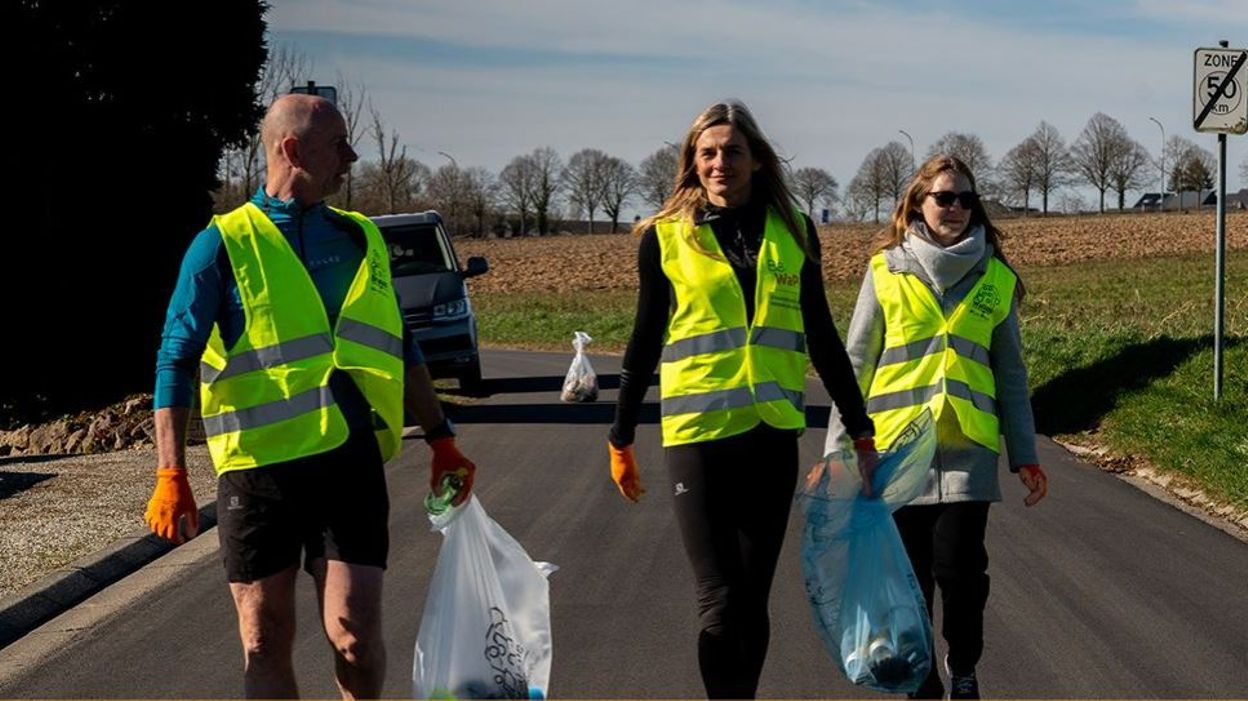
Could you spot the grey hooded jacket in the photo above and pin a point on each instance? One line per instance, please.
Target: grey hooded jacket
(962, 470)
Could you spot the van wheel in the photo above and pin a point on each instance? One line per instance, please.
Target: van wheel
(470, 378)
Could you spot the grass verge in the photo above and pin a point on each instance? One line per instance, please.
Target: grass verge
(1120, 356)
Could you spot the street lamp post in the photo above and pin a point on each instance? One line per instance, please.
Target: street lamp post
(904, 133)
(1162, 192)
(450, 158)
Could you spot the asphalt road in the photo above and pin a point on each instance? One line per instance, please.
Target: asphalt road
(1100, 591)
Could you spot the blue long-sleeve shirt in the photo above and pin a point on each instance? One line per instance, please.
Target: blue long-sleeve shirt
(206, 293)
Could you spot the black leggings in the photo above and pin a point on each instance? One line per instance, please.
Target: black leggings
(732, 499)
(945, 543)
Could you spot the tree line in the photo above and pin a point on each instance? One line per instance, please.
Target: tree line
(1104, 157)
(535, 193)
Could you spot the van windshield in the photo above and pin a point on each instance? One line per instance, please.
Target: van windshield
(417, 249)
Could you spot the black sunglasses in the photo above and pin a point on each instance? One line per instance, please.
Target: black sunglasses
(946, 198)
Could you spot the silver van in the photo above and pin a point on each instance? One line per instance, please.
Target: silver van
(432, 294)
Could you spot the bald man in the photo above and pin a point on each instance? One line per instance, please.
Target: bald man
(304, 379)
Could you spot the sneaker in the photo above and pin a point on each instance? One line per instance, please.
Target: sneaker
(961, 686)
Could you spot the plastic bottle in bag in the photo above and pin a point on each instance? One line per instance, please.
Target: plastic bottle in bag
(897, 652)
(436, 504)
(865, 599)
(581, 382)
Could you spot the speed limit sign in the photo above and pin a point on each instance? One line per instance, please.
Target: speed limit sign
(1220, 103)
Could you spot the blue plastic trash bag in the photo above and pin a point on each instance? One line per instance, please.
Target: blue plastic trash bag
(485, 632)
(867, 604)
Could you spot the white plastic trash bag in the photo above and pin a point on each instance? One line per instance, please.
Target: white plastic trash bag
(485, 631)
(581, 383)
(868, 607)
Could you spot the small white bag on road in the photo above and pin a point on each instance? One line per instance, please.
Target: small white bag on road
(581, 382)
(485, 631)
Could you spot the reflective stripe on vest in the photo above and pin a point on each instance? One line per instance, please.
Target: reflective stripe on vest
(267, 399)
(933, 361)
(718, 377)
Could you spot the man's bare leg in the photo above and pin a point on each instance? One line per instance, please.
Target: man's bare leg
(266, 624)
(350, 598)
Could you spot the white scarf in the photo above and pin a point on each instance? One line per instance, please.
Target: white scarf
(944, 265)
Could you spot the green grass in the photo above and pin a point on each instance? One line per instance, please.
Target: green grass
(547, 321)
(1125, 350)
(1119, 349)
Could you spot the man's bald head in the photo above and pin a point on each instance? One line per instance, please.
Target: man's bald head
(306, 147)
(293, 116)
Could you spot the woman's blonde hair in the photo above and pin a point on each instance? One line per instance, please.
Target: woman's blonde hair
(767, 185)
(909, 208)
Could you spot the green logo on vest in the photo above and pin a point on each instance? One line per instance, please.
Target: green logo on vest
(987, 299)
(377, 272)
(776, 268)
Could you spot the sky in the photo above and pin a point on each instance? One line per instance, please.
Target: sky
(482, 81)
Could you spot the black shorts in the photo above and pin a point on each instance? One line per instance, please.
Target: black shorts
(333, 505)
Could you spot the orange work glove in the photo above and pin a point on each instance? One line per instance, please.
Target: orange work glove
(1035, 481)
(171, 501)
(448, 460)
(864, 449)
(624, 472)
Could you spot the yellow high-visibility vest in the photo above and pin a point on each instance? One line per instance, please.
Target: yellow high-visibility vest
(267, 399)
(930, 360)
(719, 376)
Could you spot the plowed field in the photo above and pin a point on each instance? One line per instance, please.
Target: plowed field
(609, 261)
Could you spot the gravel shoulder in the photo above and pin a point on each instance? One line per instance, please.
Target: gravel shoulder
(55, 509)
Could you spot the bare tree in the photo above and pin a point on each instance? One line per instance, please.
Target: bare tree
(967, 148)
(377, 193)
(547, 165)
(621, 184)
(1243, 172)
(517, 188)
(1098, 147)
(242, 168)
(1127, 171)
(352, 97)
(396, 176)
(1176, 152)
(657, 176)
(811, 185)
(1198, 172)
(896, 165)
(870, 186)
(859, 201)
(449, 191)
(480, 195)
(585, 178)
(1054, 167)
(1192, 167)
(1018, 171)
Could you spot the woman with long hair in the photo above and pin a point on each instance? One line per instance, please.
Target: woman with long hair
(731, 301)
(936, 327)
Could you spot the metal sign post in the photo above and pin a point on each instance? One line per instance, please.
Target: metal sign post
(1219, 280)
(328, 92)
(1220, 105)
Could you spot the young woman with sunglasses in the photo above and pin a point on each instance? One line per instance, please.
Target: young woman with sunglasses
(936, 326)
(731, 299)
